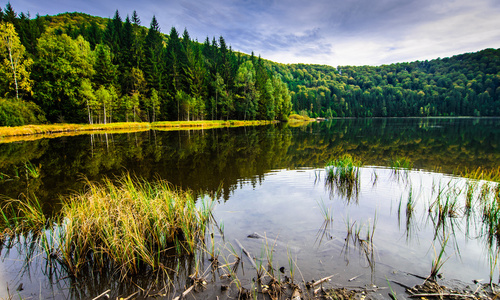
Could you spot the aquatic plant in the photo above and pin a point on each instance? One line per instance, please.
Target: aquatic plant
(438, 261)
(127, 225)
(400, 163)
(480, 173)
(343, 176)
(22, 216)
(31, 170)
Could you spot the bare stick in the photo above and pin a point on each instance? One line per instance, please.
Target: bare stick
(322, 280)
(184, 293)
(129, 297)
(102, 295)
(247, 254)
(441, 295)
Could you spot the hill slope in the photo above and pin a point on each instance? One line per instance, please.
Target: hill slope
(91, 69)
(463, 85)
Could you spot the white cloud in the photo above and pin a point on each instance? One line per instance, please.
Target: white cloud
(335, 32)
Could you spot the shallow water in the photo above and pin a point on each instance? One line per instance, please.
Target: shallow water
(271, 180)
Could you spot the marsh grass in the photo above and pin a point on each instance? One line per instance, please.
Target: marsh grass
(400, 163)
(130, 225)
(438, 261)
(482, 174)
(343, 176)
(22, 216)
(364, 243)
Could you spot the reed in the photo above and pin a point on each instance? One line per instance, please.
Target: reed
(479, 173)
(343, 176)
(22, 217)
(400, 163)
(132, 223)
(438, 261)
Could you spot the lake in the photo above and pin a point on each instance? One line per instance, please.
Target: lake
(271, 182)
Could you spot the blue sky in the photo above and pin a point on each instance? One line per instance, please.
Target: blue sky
(331, 32)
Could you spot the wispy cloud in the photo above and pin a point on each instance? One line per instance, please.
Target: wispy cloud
(335, 32)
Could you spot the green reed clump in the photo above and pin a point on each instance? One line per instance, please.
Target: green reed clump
(399, 163)
(129, 225)
(21, 216)
(343, 174)
(482, 174)
(132, 223)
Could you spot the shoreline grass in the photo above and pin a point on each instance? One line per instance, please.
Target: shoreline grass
(33, 132)
(130, 225)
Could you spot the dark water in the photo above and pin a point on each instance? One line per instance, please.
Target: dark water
(271, 180)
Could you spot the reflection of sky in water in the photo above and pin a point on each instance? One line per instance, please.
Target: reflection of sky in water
(286, 205)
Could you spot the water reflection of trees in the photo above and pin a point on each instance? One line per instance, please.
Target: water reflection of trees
(220, 159)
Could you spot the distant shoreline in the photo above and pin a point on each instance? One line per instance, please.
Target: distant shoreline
(34, 132)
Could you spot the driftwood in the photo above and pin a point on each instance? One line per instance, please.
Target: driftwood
(130, 297)
(103, 294)
(440, 295)
(247, 254)
(184, 293)
(322, 280)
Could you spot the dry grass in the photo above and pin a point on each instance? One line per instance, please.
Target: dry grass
(131, 226)
(34, 132)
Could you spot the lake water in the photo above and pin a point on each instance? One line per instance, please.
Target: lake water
(271, 180)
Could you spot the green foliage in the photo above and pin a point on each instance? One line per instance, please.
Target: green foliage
(14, 64)
(221, 84)
(18, 112)
(463, 85)
(90, 69)
(62, 64)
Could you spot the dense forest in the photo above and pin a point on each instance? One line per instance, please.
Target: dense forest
(78, 68)
(463, 85)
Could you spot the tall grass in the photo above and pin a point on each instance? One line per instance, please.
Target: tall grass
(132, 223)
(482, 174)
(399, 163)
(130, 226)
(343, 176)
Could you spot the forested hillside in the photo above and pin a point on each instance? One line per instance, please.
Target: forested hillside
(78, 68)
(463, 85)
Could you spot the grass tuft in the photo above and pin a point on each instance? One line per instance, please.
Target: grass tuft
(343, 175)
(131, 226)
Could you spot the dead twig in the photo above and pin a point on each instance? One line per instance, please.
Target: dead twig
(441, 295)
(103, 294)
(322, 280)
(130, 297)
(247, 254)
(184, 293)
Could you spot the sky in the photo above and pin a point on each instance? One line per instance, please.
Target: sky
(329, 32)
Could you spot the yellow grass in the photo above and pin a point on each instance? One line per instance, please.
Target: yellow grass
(33, 132)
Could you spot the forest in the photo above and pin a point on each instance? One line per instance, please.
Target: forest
(463, 85)
(78, 68)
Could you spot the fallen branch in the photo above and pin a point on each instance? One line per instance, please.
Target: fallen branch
(441, 295)
(247, 254)
(184, 293)
(130, 297)
(105, 293)
(322, 280)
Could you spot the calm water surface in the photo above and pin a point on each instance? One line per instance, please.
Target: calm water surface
(271, 180)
